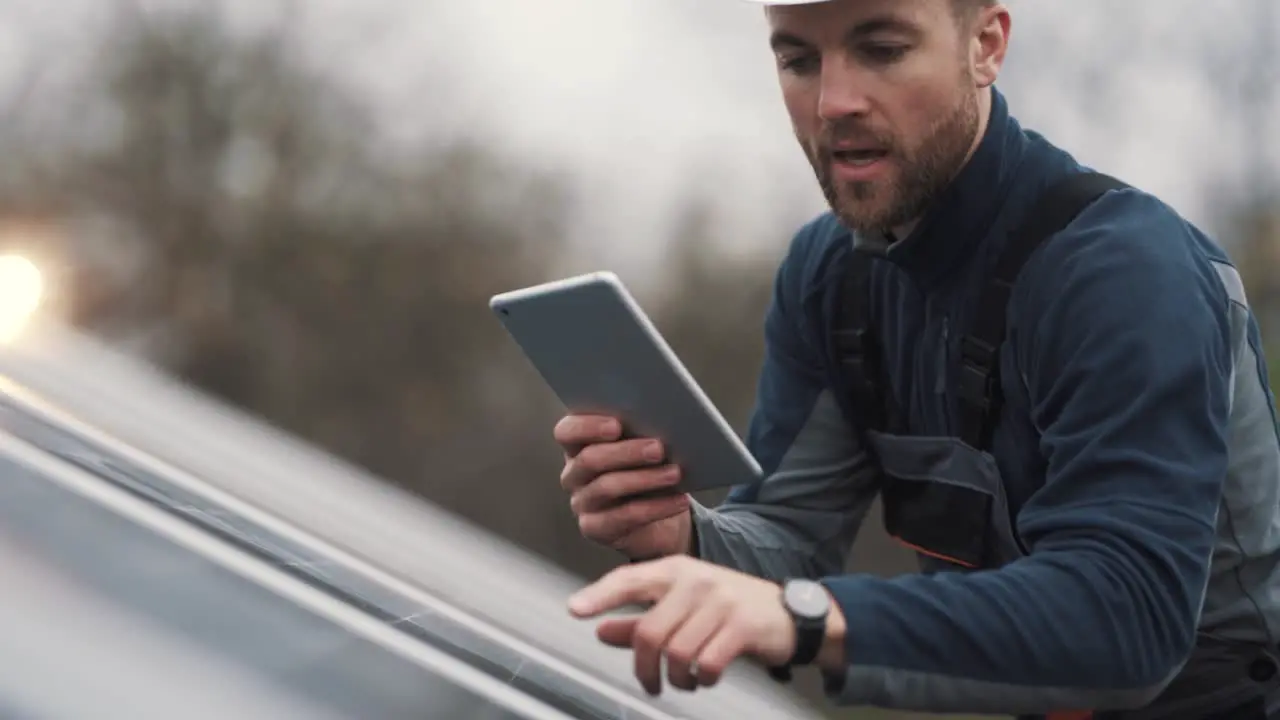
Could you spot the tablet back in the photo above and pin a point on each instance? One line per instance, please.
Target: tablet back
(600, 354)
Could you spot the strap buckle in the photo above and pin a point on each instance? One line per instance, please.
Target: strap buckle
(853, 343)
(977, 372)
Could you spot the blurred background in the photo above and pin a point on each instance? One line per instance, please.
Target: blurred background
(302, 207)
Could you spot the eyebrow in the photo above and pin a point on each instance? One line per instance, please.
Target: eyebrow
(783, 40)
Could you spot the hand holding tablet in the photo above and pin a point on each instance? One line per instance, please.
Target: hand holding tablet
(604, 359)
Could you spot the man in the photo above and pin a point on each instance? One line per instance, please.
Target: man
(1110, 547)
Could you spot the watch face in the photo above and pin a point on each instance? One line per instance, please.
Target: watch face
(806, 598)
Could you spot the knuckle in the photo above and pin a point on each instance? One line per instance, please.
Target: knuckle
(738, 617)
(637, 451)
(563, 428)
(648, 636)
(710, 672)
(720, 595)
(570, 430)
(635, 513)
(597, 527)
(611, 485)
(665, 476)
(711, 593)
(649, 640)
(613, 576)
(623, 514)
(642, 480)
(743, 625)
(681, 655)
(589, 525)
(588, 460)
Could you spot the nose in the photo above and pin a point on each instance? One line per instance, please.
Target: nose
(842, 92)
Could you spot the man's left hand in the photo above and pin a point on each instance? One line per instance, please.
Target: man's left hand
(703, 616)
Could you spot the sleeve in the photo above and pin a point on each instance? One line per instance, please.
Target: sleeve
(1125, 350)
(803, 517)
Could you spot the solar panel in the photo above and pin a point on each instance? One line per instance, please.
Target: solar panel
(111, 557)
(418, 572)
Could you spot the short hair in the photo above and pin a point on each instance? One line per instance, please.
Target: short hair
(965, 9)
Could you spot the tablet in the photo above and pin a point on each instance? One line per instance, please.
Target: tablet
(600, 354)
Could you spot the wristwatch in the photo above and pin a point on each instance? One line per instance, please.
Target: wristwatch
(808, 604)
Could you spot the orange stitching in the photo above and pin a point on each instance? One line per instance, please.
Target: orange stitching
(939, 556)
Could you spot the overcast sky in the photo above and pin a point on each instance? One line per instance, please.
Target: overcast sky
(645, 99)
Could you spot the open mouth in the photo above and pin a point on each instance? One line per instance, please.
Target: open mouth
(859, 158)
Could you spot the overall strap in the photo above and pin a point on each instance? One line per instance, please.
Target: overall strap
(980, 397)
(858, 349)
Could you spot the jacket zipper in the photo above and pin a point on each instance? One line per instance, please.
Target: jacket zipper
(943, 365)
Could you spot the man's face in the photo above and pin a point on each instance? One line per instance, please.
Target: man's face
(885, 98)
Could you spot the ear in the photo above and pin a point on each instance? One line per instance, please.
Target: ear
(989, 43)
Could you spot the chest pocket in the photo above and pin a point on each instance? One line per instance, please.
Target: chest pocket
(945, 500)
(943, 496)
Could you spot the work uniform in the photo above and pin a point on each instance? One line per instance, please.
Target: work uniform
(1114, 546)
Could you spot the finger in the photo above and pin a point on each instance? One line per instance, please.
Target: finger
(609, 489)
(573, 432)
(609, 526)
(685, 646)
(722, 649)
(653, 631)
(618, 632)
(606, 457)
(637, 584)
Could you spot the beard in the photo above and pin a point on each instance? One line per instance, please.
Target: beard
(917, 178)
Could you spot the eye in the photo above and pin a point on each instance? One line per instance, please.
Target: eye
(799, 63)
(883, 53)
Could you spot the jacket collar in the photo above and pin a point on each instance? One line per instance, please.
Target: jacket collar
(955, 226)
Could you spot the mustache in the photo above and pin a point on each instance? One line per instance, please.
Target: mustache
(851, 133)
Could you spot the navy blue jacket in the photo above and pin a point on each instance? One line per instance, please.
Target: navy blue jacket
(1138, 423)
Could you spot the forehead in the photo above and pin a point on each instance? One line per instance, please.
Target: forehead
(834, 20)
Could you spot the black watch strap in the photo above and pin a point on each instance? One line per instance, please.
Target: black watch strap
(810, 634)
(782, 673)
(808, 644)
(809, 637)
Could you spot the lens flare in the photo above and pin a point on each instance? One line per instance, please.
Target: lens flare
(21, 292)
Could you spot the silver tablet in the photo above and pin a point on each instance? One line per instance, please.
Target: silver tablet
(599, 352)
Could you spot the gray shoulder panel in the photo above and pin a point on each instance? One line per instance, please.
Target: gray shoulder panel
(806, 514)
(1243, 598)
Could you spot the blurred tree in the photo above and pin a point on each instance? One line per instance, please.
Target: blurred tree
(230, 213)
(280, 261)
(711, 310)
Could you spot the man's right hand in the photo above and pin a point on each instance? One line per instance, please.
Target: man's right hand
(623, 491)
